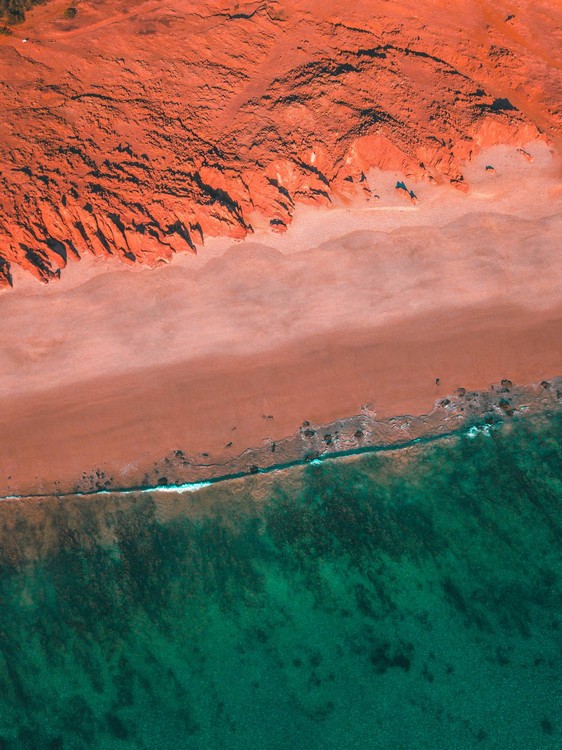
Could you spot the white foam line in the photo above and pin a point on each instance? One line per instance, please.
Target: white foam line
(484, 430)
(188, 487)
(471, 432)
(177, 488)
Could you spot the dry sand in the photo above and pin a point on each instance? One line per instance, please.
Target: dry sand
(360, 304)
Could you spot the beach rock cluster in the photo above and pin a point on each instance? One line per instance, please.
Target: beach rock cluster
(138, 130)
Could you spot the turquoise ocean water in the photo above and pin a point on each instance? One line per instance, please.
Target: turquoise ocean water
(411, 601)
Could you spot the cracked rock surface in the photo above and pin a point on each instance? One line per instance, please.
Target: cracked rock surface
(138, 129)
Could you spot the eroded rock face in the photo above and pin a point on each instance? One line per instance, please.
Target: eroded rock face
(138, 129)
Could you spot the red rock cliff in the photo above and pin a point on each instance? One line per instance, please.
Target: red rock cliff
(138, 128)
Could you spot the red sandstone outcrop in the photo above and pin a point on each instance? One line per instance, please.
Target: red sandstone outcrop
(136, 129)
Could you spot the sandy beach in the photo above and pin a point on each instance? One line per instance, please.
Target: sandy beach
(362, 304)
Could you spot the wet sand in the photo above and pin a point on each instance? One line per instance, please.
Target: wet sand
(215, 354)
(124, 425)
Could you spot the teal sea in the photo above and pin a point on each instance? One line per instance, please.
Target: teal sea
(396, 601)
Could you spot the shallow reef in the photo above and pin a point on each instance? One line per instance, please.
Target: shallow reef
(405, 600)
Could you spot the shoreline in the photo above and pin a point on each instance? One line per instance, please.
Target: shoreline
(365, 432)
(253, 471)
(462, 415)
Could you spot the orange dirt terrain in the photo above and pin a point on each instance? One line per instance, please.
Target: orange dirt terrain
(137, 129)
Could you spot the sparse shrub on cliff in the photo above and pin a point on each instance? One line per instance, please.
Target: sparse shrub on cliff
(13, 11)
(5, 31)
(70, 13)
